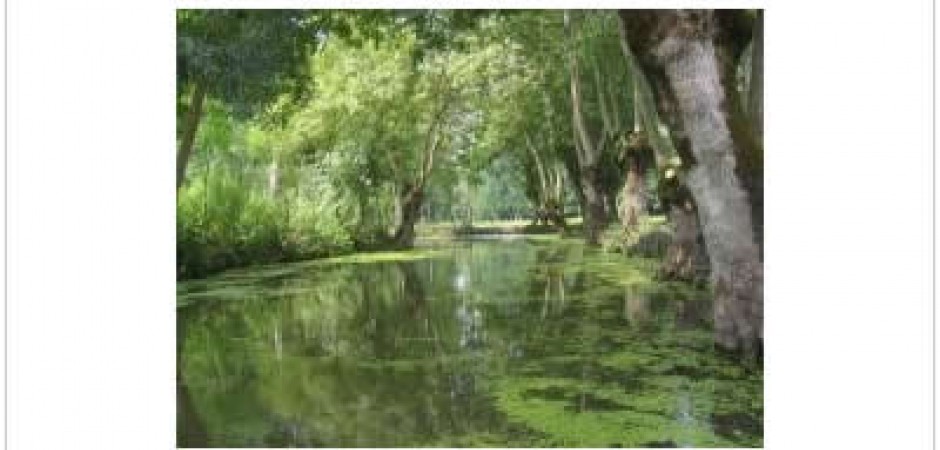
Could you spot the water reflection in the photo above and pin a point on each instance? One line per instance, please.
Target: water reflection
(501, 343)
(470, 320)
(189, 426)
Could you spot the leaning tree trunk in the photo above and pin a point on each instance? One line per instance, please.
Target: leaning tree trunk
(190, 126)
(549, 189)
(588, 148)
(410, 212)
(678, 48)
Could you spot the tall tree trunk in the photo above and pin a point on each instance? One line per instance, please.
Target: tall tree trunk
(190, 126)
(556, 196)
(573, 172)
(587, 151)
(678, 48)
(410, 212)
(735, 30)
(550, 188)
(636, 155)
(593, 208)
(413, 191)
(672, 191)
(544, 197)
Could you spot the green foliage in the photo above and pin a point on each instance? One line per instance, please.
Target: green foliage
(246, 58)
(499, 194)
(472, 111)
(228, 216)
(469, 109)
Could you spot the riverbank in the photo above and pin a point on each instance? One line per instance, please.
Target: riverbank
(489, 227)
(204, 260)
(196, 258)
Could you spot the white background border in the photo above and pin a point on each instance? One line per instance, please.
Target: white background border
(91, 245)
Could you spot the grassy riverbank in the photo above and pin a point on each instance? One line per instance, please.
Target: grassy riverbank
(202, 255)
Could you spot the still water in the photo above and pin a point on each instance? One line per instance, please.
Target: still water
(490, 342)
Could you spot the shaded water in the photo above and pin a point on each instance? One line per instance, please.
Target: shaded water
(482, 343)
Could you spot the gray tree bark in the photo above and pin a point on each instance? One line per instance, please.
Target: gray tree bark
(680, 256)
(633, 199)
(588, 149)
(678, 50)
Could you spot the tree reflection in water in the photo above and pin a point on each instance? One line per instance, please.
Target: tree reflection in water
(491, 344)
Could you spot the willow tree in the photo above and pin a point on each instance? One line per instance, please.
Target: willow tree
(689, 58)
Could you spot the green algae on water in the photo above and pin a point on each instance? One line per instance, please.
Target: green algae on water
(493, 343)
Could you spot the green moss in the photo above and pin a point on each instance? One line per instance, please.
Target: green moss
(374, 257)
(666, 408)
(644, 419)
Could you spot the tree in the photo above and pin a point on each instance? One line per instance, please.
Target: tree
(245, 58)
(599, 112)
(689, 57)
(528, 120)
(651, 133)
(588, 146)
(401, 118)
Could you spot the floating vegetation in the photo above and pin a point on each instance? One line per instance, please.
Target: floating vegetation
(480, 343)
